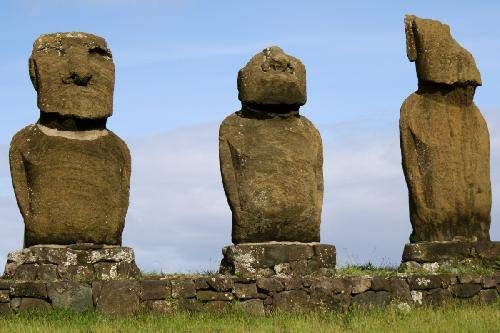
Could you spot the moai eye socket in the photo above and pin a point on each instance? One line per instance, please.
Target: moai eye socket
(97, 50)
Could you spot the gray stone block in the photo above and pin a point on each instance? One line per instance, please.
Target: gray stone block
(70, 295)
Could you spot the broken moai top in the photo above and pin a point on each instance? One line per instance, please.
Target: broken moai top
(271, 158)
(444, 140)
(70, 174)
(437, 56)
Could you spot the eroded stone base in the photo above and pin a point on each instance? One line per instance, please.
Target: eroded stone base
(278, 258)
(434, 256)
(83, 262)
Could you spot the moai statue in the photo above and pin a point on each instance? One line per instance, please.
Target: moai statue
(445, 147)
(70, 174)
(271, 161)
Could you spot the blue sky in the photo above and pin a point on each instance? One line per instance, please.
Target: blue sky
(176, 65)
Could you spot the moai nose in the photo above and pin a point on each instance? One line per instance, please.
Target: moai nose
(79, 68)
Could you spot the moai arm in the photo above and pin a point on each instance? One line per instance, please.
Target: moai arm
(125, 181)
(228, 174)
(18, 173)
(319, 176)
(412, 164)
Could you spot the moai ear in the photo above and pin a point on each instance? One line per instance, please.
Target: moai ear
(33, 73)
(411, 46)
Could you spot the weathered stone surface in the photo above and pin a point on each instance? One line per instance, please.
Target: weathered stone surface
(469, 278)
(155, 289)
(444, 140)
(361, 284)
(271, 158)
(70, 174)
(5, 309)
(466, 290)
(221, 283)
(116, 297)
(28, 289)
(5, 285)
(488, 296)
(450, 253)
(61, 262)
(341, 285)
(201, 283)
(438, 57)
(370, 299)
(4, 296)
(31, 304)
(189, 304)
(70, 295)
(216, 306)
(73, 74)
(294, 300)
(160, 306)
(436, 296)
(279, 258)
(253, 307)
(269, 284)
(272, 77)
(488, 282)
(183, 288)
(209, 295)
(245, 291)
(422, 282)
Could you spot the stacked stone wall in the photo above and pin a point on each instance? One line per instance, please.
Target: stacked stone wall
(255, 295)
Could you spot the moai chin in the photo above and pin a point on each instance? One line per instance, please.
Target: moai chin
(70, 174)
(444, 142)
(271, 157)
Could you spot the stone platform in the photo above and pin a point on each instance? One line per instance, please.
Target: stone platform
(278, 258)
(82, 262)
(448, 255)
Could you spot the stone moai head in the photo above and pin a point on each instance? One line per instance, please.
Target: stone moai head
(438, 57)
(272, 78)
(73, 74)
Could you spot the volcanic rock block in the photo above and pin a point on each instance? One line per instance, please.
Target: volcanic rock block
(450, 254)
(72, 262)
(70, 174)
(444, 140)
(278, 258)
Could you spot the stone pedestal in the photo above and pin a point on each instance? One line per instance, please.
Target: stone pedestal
(433, 256)
(83, 262)
(278, 258)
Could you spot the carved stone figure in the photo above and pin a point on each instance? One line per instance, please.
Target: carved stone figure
(444, 139)
(70, 174)
(271, 157)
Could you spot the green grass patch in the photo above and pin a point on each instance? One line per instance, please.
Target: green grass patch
(448, 318)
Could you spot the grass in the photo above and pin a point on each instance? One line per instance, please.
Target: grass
(367, 269)
(449, 318)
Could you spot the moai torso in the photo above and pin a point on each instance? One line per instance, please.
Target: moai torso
(271, 162)
(444, 140)
(71, 184)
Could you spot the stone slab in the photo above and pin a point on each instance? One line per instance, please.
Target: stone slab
(71, 262)
(278, 258)
(432, 256)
